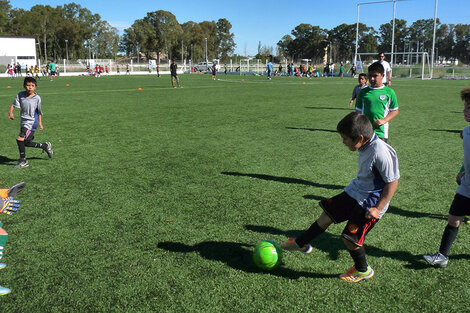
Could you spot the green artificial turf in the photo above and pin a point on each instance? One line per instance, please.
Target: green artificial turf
(155, 198)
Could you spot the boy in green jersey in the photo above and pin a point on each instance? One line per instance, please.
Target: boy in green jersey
(378, 102)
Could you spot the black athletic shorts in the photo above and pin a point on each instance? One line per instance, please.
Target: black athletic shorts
(460, 206)
(25, 133)
(174, 77)
(342, 208)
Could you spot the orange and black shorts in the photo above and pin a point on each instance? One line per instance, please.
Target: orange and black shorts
(342, 208)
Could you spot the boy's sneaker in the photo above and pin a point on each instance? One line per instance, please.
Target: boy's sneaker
(16, 189)
(437, 259)
(48, 149)
(354, 276)
(21, 164)
(291, 245)
(4, 291)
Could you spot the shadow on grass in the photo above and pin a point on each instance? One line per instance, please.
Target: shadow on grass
(287, 180)
(314, 129)
(414, 214)
(456, 131)
(333, 244)
(328, 108)
(7, 161)
(236, 255)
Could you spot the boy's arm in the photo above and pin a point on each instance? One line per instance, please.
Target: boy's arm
(40, 122)
(10, 112)
(385, 197)
(386, 119)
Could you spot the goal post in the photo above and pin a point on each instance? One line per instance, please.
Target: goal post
(414, 64)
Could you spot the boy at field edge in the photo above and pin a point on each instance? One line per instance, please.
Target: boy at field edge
(8, 206)
(378, 102)
(363, 202)
(460, 206)
(362, 80)
(30, 118)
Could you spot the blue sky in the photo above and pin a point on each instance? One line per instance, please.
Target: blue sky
(268, 21)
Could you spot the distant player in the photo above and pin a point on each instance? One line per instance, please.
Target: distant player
(378, 102)
(362, 79)
(29, 103)
(363, 202)
(387, 79)
(460, 206)
(174, 74)
(52, 72)
(8, 206)
(214, 71)
(269, 68)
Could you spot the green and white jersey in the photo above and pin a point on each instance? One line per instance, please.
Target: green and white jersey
(376, 103)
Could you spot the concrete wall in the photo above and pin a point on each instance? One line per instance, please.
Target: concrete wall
(19, 49)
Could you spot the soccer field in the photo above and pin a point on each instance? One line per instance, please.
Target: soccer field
(155, 198)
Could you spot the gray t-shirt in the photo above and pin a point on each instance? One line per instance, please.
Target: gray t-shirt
(464, 188)
(357, 90)
(378, 165)
(29, 107)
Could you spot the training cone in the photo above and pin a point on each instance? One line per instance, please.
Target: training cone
(8, 86)
(67, 85)
(243, 80)
(303, 83)
(139, 88)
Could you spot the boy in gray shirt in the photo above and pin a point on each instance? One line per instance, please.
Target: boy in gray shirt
(30, 118)
(364, 200)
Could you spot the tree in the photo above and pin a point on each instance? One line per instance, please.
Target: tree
(225, 40)
(309, 42)
(422, 31)
(167, 31)
(400, 36)
(461, 49)
(283, 45)
(4, 19)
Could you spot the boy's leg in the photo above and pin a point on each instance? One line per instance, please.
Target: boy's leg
(21, 148)
(46, 146)
(460, 207)
(353, 237)
(335, 210)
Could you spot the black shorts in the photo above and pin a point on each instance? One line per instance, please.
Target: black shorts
(175, 76)
(460, 206)
(342, 208)
(27, 134)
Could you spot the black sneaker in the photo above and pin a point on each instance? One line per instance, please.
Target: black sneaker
(21, 164)
(48, 149)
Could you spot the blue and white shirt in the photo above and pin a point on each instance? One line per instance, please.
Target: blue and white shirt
(464, 188)
(378, 165)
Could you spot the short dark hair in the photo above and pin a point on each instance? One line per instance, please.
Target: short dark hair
(363, 75)
(380, 53)
(29, 80)
(354, 125)
(465, 94)
(376, 67)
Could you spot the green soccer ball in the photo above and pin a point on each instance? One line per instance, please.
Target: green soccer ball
(267, 255)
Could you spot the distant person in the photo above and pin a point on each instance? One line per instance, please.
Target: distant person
(117, 69)
(387, 80)
(158, 70)
(29, 102)
(269, 68)
(52, 70)
(378, 102)
(214, 71)
(225, 69)
(363, 202)
(326, 69)
(460, 206)
(174, 75)
(341, 70)
(128, 69)
(280, 69)
(332, 69)
(353, 71)
(362, 79)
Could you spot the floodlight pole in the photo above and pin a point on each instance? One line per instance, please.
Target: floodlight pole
(206, 53)
(393, 31)
(433, 39)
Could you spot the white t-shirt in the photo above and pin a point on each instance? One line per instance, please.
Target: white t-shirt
(378, 165)
(387, 69)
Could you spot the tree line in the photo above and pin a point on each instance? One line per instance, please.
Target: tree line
(307, 41)
(73, 31)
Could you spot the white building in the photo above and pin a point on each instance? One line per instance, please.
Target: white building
(15, 50)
